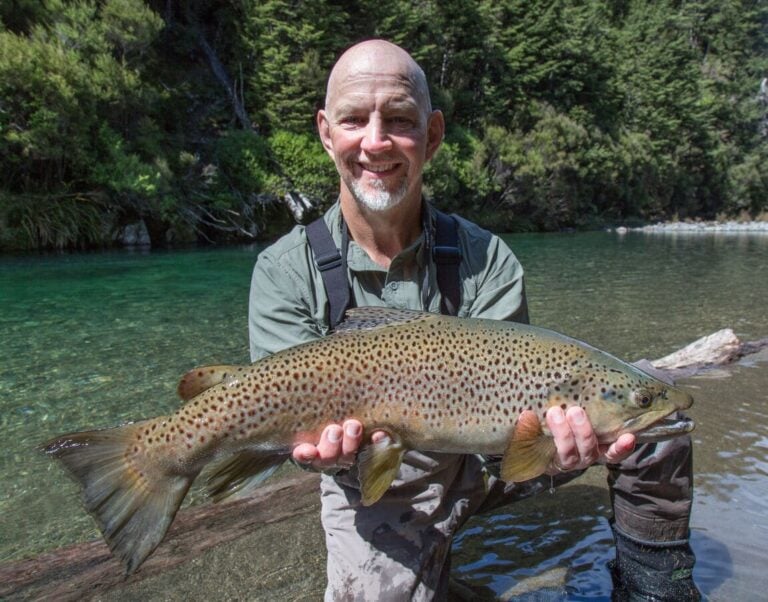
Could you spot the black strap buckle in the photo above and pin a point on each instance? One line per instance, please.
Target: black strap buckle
(328, 262)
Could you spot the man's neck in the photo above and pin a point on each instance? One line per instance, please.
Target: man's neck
(383, 234)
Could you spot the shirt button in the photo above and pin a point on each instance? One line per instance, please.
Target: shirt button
(393, 285)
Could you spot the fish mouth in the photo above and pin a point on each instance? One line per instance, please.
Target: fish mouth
(666, 428)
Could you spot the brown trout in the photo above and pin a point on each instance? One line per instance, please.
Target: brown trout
(433, 383)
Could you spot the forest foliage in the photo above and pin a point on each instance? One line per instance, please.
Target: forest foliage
(197, 116)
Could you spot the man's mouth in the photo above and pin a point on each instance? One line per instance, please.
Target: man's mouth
(379, 168)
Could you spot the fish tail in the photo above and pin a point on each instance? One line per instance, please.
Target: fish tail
(132, 498)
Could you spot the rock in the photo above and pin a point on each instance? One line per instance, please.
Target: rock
(730, 227)
(135, 234)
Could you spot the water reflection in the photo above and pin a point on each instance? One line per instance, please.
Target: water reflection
(524, 551)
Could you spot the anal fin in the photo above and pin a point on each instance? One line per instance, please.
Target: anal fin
(242, 473)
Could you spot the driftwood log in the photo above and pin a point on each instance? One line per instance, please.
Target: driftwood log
(82, 571)
(87, 570)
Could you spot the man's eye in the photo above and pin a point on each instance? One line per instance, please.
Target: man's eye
(352, 120)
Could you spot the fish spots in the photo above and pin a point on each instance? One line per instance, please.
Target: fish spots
(432, 373)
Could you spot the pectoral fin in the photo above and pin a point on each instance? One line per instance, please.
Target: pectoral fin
(378, 464)
(529, 451)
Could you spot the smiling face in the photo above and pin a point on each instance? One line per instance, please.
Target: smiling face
(378, 125)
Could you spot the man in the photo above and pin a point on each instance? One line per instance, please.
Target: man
(379, 128)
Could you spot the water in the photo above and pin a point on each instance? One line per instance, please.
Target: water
(92, 340)
(95, 340)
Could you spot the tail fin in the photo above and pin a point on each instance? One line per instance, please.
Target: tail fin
(133, 501)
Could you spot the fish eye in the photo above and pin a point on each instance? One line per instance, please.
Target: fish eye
(642, 398)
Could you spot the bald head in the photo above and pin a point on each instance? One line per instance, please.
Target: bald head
(374, 59)
(379, 128)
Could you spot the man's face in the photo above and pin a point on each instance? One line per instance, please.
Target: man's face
(380, 134)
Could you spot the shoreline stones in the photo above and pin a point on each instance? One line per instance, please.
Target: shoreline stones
(731, 227)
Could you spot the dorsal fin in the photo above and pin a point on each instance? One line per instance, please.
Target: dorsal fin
(368, 318)
(203, 378)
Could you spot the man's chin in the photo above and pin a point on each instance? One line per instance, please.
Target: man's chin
(378, 206)
(378, 200)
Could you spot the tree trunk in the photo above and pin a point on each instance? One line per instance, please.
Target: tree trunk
(220, 72)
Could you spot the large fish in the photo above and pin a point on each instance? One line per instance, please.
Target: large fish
(433, 383)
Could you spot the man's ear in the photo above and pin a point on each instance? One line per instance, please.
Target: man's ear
(435, 132)
(324, 129)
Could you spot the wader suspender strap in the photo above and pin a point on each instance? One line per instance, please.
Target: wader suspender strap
(333, 265)
(447, 257)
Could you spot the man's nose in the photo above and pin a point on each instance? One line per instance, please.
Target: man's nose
(376, 137)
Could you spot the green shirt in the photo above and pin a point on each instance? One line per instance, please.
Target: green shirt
(288, 304)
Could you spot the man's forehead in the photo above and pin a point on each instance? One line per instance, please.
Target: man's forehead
(374, 67)
(391, 90)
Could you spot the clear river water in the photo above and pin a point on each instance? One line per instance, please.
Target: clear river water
(92, 340)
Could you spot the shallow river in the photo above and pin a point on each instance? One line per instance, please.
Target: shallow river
(91, 340)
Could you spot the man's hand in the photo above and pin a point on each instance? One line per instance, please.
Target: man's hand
(336, 449)
(576, 442)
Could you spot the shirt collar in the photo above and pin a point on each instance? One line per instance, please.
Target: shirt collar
(358, 259)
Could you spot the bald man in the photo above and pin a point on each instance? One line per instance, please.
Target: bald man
(379, 128)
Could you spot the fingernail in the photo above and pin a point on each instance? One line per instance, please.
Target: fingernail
(578, 416)
(334, 435)
(353, 430)
(557, 415)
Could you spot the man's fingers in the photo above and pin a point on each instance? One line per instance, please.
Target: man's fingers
(329, 446)
(304, 453)
(338, 446)
(584, 436)
(377, 436)
(620, 449)
(565, 443)
(350, 442)
(575, 440)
